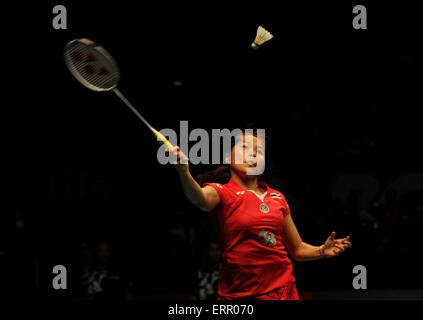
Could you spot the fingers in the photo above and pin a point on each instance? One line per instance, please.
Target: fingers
(175, 149)
(346, 241)
(176, 155)
(339, 248)
(348, 244)
(336, 251)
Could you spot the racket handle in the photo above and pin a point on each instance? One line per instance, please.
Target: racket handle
(162, 139)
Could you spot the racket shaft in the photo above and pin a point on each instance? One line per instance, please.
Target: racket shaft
(126, 101)
(159, 136)
(162, 139)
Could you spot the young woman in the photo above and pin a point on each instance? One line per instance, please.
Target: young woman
(254, 227)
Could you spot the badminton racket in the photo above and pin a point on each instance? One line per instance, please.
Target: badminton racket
(96, 69)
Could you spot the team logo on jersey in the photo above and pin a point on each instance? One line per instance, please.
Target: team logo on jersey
(264, 208)
(276, 195)
(267, 238)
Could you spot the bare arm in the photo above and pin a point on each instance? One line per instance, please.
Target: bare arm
(205, 198)
(302, 251)
(299, 250)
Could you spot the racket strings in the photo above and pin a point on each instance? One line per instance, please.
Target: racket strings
(90, 67)
(96, 69)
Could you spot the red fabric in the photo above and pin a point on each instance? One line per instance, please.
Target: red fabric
(255, 261)
(285, 293)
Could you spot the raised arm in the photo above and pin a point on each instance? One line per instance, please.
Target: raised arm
(205, 198)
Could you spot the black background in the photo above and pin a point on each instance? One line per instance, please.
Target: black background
(317, 87)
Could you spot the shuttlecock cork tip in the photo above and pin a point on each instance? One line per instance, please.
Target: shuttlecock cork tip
(255, 46)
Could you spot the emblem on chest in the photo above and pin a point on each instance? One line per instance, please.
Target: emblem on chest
(264, 208)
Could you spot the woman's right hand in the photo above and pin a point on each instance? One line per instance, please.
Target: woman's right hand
(179, 160)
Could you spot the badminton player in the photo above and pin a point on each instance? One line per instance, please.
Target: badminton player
(254, 226)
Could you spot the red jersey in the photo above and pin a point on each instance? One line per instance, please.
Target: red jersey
(249, 228)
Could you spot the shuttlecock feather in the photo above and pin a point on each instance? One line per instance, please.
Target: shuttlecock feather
(262, 36)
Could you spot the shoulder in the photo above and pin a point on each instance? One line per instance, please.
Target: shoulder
(225, 191)
(276, 194)
(213, 185)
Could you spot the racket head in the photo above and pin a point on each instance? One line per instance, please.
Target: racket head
(91, 65)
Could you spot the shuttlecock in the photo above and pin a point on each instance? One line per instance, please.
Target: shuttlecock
(262, 36)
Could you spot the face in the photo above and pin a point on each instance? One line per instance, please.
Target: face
(247, 157)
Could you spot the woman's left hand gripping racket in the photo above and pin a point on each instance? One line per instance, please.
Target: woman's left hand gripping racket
(96, 69)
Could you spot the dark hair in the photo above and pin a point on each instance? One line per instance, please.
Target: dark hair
(222, 174)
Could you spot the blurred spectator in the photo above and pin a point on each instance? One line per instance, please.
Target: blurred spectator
(207, 274)
(102, 279)
(181, 240)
